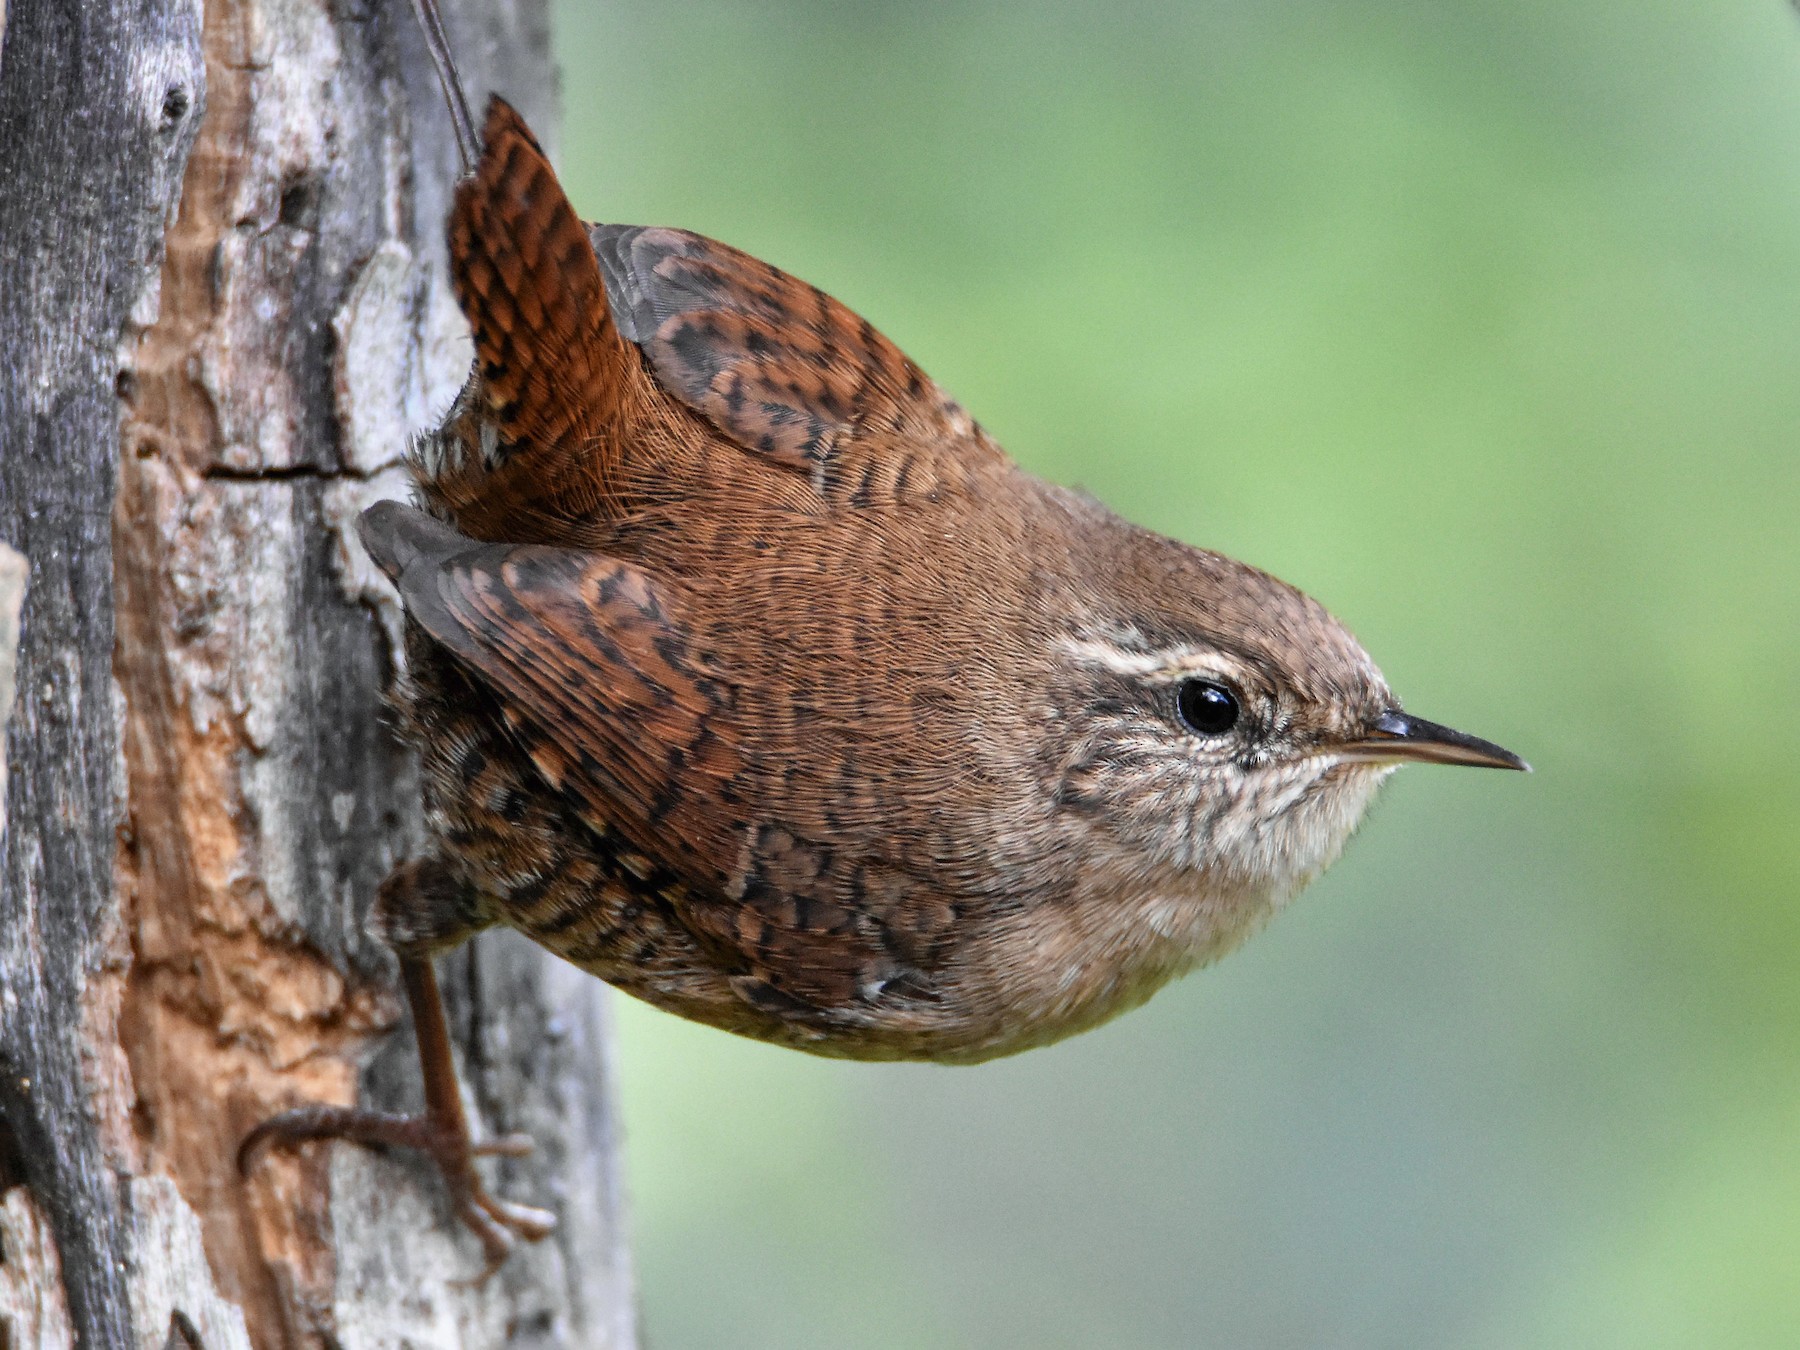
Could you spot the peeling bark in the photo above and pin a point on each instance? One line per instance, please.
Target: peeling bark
(222, 290)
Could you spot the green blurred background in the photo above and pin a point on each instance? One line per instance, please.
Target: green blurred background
(1481, 322)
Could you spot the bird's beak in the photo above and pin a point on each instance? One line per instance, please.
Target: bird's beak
(1395, 737)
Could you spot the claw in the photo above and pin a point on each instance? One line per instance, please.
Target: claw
(496, 1243)
(528, 1221)
(506, 1146)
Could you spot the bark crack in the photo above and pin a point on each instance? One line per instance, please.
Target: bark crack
(290, 473)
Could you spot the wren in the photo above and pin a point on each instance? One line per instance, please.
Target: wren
(750, 675)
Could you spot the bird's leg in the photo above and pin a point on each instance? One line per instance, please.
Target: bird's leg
(442, 1132)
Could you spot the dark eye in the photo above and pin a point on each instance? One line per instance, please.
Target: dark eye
(1207, 708)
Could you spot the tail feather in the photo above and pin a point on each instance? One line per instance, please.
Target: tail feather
(550, 366)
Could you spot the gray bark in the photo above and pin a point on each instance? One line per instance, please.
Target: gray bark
(222, 307)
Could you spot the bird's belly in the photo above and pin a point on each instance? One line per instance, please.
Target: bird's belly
(1056, 970)
(1032, 978)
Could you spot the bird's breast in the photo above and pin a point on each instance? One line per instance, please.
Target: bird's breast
(1060, 967)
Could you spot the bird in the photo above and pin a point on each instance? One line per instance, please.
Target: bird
(749, 674)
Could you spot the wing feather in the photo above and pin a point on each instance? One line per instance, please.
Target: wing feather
(633, 720)
(785, 370)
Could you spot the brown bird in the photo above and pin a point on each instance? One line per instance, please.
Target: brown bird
(750, 675)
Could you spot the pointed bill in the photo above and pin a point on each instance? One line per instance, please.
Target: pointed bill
(1397, 737)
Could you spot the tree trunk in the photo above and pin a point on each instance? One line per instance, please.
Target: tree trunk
(222, 307)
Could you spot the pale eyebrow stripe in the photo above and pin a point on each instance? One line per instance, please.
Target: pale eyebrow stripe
(1171, 662)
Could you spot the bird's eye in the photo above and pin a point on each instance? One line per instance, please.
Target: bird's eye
(1207, 708)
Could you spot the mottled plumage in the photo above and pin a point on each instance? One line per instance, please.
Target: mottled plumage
(750, 675)
(715, 638)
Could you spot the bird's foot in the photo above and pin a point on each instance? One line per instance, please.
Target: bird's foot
(498, 1223)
